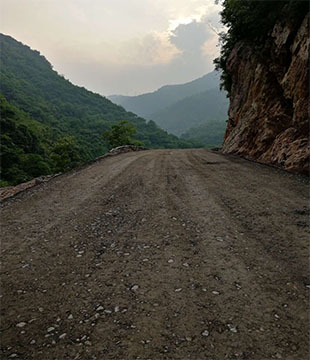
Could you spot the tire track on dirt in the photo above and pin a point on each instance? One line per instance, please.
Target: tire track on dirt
(149, 259)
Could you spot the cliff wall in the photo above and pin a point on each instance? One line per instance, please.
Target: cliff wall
(269, 102)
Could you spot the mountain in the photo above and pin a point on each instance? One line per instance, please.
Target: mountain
(199, 109)
(63, 123)
(181, 109)
(147, 104)
(210, 134)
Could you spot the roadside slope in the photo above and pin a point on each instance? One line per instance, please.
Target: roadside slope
(168, 254)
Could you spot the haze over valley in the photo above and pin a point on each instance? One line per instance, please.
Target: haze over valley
(197, 109)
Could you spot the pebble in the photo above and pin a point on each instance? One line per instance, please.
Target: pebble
(178, 290)
(32, 342)
(205, 333)
(62, 336)
(215, 293)
(134, 287)
(100, 308)
(70, 317)
(232, 328)
(13, 356)
(170, 261)
(108, 311)
(21, 324)
(116, 309)
(218, 238)
(186, 264)
(87, 343)
(50, 329)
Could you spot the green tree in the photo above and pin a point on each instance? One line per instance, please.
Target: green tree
(121, 134)
(251, 22)
(22, 154)
(34, 165)
(65, 154)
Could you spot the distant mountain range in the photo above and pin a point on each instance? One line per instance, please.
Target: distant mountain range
(179, 108)
(195, 110)
(147, 104)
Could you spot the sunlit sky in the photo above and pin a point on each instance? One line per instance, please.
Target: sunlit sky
(118, 46)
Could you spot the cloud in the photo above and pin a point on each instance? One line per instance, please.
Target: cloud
(153, 49)
(145, 63)
(118, 46)
(190, 37)
(187, 43)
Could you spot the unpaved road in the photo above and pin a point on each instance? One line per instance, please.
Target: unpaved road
(168, 254)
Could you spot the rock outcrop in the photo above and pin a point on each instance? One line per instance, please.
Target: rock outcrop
(269, 101)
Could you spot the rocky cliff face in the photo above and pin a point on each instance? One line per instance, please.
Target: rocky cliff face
(269, 102)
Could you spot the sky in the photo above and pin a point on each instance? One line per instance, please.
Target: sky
(123, 47)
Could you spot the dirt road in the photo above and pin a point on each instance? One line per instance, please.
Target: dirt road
(168, 254)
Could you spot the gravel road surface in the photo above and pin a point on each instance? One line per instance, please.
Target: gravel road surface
(165, 254)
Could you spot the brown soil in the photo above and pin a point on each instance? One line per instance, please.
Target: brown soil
(168, 254)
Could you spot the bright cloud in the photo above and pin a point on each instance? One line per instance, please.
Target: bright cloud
(164, 41)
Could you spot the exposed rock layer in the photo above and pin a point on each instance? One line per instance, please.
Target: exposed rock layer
(269, 103)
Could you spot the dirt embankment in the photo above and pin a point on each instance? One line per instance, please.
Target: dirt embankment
(168, 254)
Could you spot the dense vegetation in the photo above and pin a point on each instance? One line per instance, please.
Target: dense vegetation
(48, 124)
(251, 21)
(122, 133)
(28, 149)
(211, 134)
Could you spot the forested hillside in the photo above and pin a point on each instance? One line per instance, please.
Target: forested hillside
(210, 133)
(200, 109)
(58, 116)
